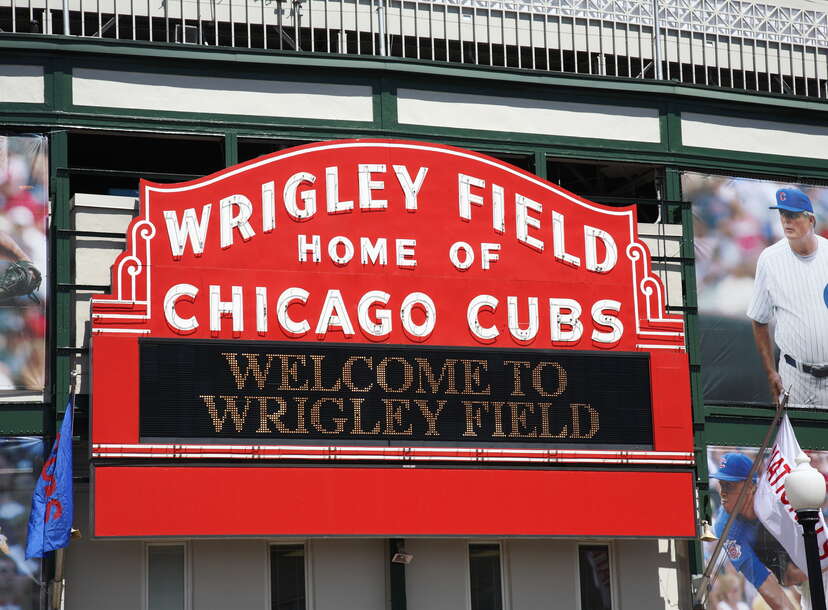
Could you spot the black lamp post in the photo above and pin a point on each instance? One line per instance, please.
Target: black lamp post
(805, 488)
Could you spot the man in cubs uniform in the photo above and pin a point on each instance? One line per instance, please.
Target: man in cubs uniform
(792, 289)
(749, 546)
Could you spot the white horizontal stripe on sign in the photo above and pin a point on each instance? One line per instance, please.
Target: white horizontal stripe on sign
(239, 96)
(754, 136)
(519, 115)
(403, 454)
(22, 84)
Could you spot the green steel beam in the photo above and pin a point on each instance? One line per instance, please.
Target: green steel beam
(22, 420)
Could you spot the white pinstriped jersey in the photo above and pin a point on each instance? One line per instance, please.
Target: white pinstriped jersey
(794, 290)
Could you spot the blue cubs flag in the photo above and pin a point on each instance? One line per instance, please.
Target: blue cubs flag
(51, 520)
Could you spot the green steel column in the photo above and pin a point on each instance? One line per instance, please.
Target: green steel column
(385, 106)
(231, 149)
(688, 274)
(540, 164)
(397, 576)
(61, 306)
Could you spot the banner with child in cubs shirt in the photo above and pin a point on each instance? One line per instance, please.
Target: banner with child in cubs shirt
(756, 559)
(773, 508)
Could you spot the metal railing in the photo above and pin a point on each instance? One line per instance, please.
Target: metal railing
(720, 43)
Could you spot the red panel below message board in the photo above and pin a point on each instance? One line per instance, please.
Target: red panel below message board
(290, 501)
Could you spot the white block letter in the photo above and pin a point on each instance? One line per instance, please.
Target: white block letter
(334, 314)
(465, 197)
(347, 255)
(219, 308)
(190, 229)
(486, 334)
(314, 247)
(382, 326)
(523, 221)
(489, 254)
(405, 253)
(591, 235)
(180, 325)
(374, 253)
(558, 319)
(230, 221)
(335, 206)
(514, 319)
(366, 185)
(290, 326)
(600, 316)
(498, 209)
(410, 188)
(468, 255)
(261, 310)
(422, 300)
(268, 206)
(308, 197)
(559, 245)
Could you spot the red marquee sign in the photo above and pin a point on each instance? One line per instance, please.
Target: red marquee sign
(386, 302)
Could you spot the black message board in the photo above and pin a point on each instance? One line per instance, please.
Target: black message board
(243, 392)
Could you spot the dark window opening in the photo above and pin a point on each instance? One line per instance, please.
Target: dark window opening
(618, 184)
(523, 161)
(484, 577)
(111, 164)
(287, 577)
(250, 149)
(595, 576)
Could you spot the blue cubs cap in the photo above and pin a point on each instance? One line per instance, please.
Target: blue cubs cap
(792, 200)
(733, 467)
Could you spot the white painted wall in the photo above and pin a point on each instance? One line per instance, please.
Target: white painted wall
(521, 115)
(236, 96)
(437, 578)
(754, 136)
(22, 84)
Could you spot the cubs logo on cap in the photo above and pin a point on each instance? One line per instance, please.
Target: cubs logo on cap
(792, 200)
(733, 467)
(734, 550)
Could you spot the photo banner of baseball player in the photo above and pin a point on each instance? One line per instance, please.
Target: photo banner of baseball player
(756, 566)
(24, 208)
(21, 459)
(762, 281)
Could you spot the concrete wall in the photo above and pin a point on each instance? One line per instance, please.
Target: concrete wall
(229, 574)
(348, 575)
(652, 574)
(541, 573)
(353, 574)
(222, 574)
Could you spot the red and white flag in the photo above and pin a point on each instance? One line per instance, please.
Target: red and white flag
(773, 508)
